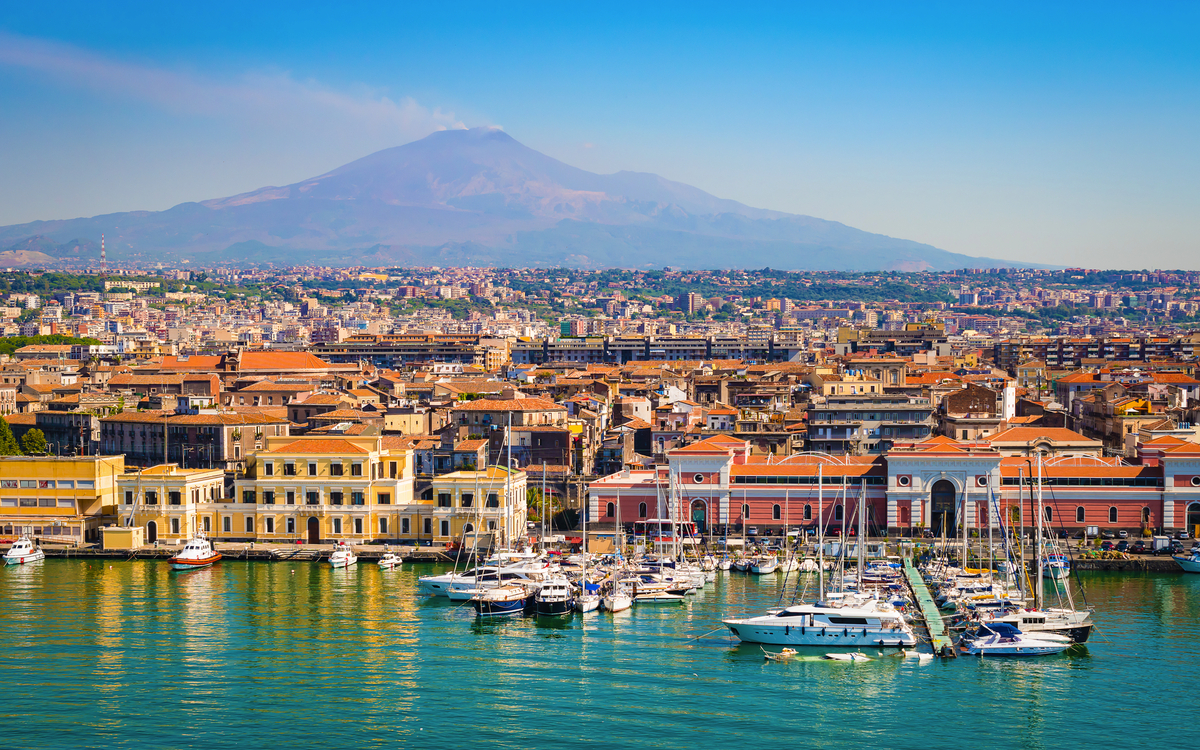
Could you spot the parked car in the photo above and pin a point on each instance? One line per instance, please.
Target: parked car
(1107, 535)
(1123, 546)
(1174, 548)
(1122, 534)
(1139, 548)
(1106, 546)
(1183, 535)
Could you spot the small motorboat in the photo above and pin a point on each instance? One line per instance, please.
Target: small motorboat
(852, 656)
(724, 564)
(1056, 567)
(1003, 639)
(1190, 563)
(23, 551)
(783, 655)
(554, 598)
(658, 597)
(500, 601)
(197, 553)
(390, 561)
(343, 556)
(764, 565)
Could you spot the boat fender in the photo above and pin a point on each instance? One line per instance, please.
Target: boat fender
(845, 631)
(786, 628)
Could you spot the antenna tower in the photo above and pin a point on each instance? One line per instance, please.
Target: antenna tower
(103, 259)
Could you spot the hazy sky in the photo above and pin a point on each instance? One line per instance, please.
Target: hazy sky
(1059, 133)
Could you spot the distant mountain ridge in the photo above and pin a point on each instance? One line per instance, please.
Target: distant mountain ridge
(479, 197)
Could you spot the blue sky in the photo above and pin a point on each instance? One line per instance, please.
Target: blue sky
(1061, 133)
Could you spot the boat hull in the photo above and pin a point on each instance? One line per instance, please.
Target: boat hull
(178, 564)
(555, 608)
(500, 608)
(617, 603)
(587, 603)
(32, 557)
(819, 636)
(1188, 564)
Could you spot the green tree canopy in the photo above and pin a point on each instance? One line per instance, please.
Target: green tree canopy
(33, 443)
(8, 443)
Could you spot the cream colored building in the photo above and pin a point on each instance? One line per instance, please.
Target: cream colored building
(490, 501)
(321, 489)
(173, 504)
(62, 498)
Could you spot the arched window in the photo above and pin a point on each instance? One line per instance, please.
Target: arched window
(1079, 514)
(641, 510)
(1145, 515)
(1112, 514)
(468, 528)
(610, 510)
(775, 511)
(1049, 514)
(837, 512)
(745, 512)
(807, 512)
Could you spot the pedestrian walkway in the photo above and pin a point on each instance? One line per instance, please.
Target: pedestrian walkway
(938, 635)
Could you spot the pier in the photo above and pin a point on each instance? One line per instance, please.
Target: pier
(938, 635)
(259, 553)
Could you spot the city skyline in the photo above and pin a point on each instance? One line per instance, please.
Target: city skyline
(1057, 138)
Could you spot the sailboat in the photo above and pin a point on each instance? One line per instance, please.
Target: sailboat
(589, 593)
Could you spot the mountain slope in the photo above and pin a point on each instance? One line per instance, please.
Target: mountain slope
(479, 197)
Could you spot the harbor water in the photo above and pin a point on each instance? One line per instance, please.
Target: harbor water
(128, 654)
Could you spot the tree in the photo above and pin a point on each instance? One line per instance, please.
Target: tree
(8, 443)
(34, 443)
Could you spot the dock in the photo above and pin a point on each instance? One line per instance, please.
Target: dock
(939, 638)
(260, 552)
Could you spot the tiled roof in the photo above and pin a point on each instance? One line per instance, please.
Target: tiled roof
(1030, 434)
(508, 404)
(323, 445)
(282, 361)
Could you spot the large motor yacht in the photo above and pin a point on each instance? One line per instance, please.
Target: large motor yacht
(875, 624)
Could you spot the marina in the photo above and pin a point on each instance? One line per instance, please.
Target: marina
(278, 653)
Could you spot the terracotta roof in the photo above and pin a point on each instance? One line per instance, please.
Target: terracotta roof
(225, 418)
(191, 362)
(1030, 434)
(273, 360)
(271, 385)
(323, 445)
(508, 404)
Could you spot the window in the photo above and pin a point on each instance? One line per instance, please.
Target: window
(1049, 515)
(641, 510)
(356, 498)
(356, 470)
(289, 469)
(335, 498)
(404, 526)
(1145, 515)
(443, 499)
(312, 468)
(249, 524)
(775, 512)
(291, 526)
(610, 510)
(1079, 514)
(337, 525)
(227, 524)
(807, 512)
(392, 469)
(1112, 515)
(384, 498)
(290, 497)
(467, 499)
(493, 500)
(29, 484)
(248, 496)
(698, 479)
(269, 469)
(151, 498)
(429, 526)
(270, 525)
(383, 526)
(745, 512)
(358, 526)
(268, 497)
(174, 525)
(312, 498)
(445, 529)
(838, 512)
(335, 469)
(129, 497)
(207, 524)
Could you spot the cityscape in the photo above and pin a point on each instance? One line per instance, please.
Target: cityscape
(439, 377)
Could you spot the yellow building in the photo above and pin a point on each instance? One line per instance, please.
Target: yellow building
(173, 504)
(327, 488)
(470, 501)
(60, 498)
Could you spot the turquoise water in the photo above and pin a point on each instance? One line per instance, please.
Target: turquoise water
(298, 656)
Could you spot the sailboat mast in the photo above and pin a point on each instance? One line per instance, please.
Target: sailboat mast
(1038, 549)
(543, 505)
(862, 517)
(510, 503)
(820, 532)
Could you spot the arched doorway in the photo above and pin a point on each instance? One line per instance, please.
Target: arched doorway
(151, 532)
(1193, 519)
(942, 502)
(314, 530)
(700, 516)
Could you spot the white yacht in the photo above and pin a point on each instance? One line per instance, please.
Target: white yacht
(1072, 623)
(197, 553)
(390, 561)
(765, 564)
(1002, 639)
(23, 551)
(1189, 563)
(875, 624)
(343, 556)
(554, 598)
